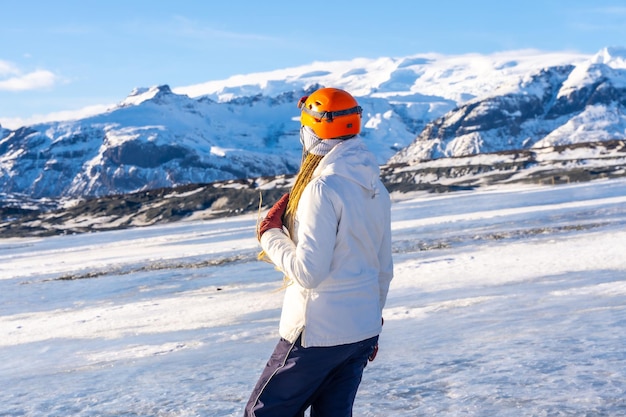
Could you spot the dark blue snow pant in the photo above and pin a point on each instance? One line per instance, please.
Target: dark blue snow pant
(324, 378)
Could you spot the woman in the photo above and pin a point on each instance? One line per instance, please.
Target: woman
(336, 257)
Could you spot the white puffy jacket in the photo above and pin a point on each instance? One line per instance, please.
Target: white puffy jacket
(340, 263)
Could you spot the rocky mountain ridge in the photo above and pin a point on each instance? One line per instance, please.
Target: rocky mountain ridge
(549, 166)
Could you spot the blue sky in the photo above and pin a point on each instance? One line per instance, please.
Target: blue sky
(66, 55)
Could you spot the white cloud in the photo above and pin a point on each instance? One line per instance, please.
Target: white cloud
(17, 122)
(7, 68)
(13, 79)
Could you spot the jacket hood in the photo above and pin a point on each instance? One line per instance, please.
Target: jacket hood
(351, 159)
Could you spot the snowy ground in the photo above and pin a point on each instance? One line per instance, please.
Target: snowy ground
(506, 302)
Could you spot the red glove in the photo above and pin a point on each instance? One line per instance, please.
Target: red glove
(274, 218)
(372, 356)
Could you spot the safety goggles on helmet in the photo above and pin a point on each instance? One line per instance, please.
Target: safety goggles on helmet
(328, 115)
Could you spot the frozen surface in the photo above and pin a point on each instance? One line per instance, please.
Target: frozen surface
(506, 302)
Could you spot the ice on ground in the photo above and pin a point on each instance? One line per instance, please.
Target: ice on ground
(505, 302)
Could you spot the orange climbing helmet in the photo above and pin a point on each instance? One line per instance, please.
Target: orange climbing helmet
(331, 113)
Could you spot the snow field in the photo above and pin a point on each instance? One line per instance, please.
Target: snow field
(506, 302)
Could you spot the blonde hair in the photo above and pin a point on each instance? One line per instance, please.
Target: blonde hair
(309, 164)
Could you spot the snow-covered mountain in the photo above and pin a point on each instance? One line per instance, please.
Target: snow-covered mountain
(247, 126)
(558, 105)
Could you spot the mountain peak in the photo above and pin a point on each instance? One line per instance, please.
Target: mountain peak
(613, 56)
(141, 94)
